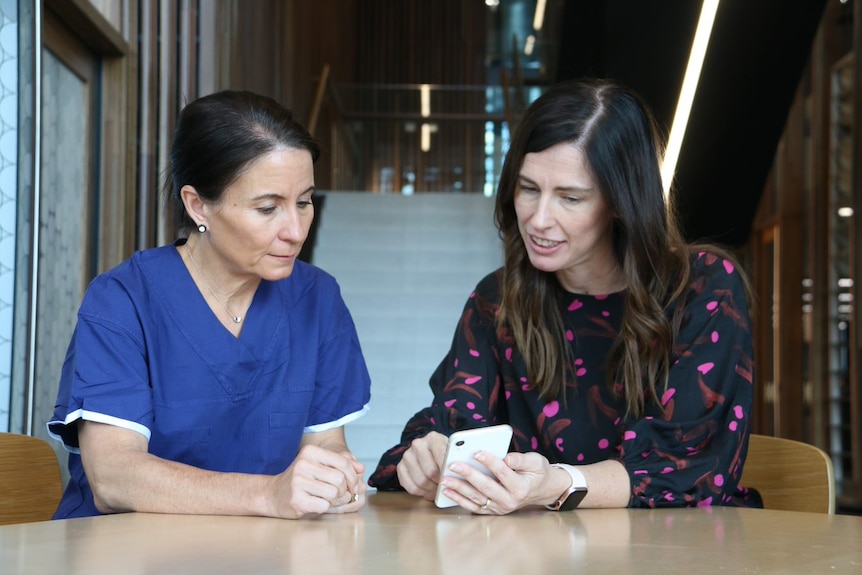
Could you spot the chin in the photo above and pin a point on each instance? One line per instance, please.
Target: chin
(278, 274)
(543, 265)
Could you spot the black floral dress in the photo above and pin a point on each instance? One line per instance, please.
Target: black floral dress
(687, 449)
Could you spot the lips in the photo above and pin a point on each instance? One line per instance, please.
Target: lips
(544, 243)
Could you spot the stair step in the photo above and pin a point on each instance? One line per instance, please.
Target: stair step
(406, 266)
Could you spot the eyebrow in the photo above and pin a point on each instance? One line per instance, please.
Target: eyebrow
(525, 179)
(273, 196)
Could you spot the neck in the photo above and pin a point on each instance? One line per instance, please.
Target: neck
(596, 280)
(233, 299)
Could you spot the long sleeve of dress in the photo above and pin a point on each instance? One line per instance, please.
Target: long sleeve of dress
(690, 450)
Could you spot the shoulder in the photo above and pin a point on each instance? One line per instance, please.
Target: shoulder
(490, 287)
(713, 270)
(131, 276)
(485, 299)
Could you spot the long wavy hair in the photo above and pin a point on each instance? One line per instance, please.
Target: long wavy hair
(618, 136)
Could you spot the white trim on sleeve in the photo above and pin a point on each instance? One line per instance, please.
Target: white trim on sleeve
(98, 418)
(338, 422)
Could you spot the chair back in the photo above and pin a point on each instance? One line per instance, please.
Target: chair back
(30, 482)
(789, 475)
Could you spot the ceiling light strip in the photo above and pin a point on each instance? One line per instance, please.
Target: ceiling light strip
(686, 95)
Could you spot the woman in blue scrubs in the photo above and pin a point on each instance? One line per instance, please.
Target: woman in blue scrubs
(215, 375)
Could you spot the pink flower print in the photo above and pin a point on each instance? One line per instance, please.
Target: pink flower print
(559, 444)
(474, 353)
(551, 409)
(525, 387)
(471, 405)
(728, 267)
(705, 368)
(719, 480)
(477, 416)
(714, 337)
(576, 305)
(668, 497)
(712, 306)
(700, 254)
(705, 502)
(579, 361)
(456, 363)
(617, 421)
(606, 313)
(604, 443)
(432, 420)
(737, 411)
(732, 426)
(580, 457)
(581, 372)
(472, 380)
(508, 354)
(601, 297)
(472, 295)
(628, 435)
(569, 335)
(508, 394)
(641, 472)
(534, 443)
(667, 470)
(450, 403)
(667, 395)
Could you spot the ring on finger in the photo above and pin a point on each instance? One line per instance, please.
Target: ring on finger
(354, 498)
(485, 505)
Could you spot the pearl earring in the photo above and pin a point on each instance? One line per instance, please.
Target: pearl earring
(202, 228)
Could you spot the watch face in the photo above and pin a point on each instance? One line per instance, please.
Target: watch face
(573, 500)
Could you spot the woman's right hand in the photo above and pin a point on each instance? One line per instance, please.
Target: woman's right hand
(419, 469)
(319, 480)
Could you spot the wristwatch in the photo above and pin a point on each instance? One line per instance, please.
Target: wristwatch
(572, 496)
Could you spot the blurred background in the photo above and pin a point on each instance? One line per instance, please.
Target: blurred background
(413, 102)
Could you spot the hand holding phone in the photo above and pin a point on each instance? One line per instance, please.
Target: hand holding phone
(463, 445)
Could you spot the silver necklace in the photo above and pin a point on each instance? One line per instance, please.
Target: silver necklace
(235, 318)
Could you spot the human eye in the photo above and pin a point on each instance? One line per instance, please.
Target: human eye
(569, 199)
(527, 188)
(266, 210)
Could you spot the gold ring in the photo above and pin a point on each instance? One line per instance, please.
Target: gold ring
(485, 506)
(354, 498)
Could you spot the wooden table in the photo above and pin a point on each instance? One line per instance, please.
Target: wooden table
(396, 533)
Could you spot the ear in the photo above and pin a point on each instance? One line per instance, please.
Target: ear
(195, 206)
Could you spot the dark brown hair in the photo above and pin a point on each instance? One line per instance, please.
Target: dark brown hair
(618, 136)
(221, 135)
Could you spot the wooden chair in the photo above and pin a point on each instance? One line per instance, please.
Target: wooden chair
(30, 482)
(789, 475)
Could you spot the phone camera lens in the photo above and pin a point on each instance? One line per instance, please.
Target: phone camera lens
(459, 443)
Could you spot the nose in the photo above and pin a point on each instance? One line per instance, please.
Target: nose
(294, 227)
(543, 216)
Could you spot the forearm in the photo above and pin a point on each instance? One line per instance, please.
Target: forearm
(608, 485)
(134, 481)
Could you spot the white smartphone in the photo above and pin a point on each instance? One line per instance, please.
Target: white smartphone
(464, 444)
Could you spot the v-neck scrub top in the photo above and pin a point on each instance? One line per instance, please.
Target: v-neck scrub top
(149, 355)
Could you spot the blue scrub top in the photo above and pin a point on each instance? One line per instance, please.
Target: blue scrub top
(148, 354)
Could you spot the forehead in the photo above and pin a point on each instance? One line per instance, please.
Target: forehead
(286, 171)
(563, 165)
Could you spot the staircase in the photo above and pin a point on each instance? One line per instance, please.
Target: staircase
(406, 265)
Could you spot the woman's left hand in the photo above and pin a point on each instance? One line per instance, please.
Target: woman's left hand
(519, 480)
